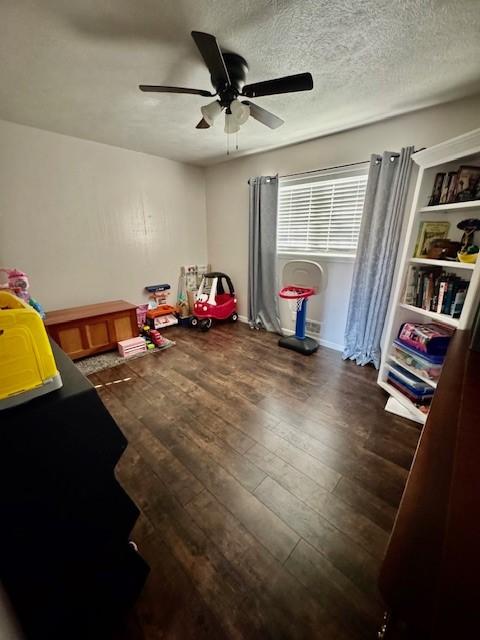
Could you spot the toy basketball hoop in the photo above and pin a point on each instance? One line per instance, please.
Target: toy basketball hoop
(302, 279)
(298, 294)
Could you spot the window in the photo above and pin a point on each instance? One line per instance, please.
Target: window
(322, 214)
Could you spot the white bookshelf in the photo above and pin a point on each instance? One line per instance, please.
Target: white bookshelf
(453, 206)
(446, 264)
(432, 315)
(448, 156)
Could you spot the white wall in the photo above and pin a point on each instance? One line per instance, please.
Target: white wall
(227, 192)
(90, 222)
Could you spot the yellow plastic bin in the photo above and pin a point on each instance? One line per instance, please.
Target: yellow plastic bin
(27, 365)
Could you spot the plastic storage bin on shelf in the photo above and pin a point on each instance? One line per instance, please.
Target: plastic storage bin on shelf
(424, 364)
(410, 380)
(419, 392)
(27, 365)
(431, 339)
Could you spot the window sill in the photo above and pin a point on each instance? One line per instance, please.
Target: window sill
(321, 257)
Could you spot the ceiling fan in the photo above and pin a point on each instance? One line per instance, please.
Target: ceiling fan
(228, 72)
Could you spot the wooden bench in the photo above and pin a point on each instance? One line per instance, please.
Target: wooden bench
(83, 331)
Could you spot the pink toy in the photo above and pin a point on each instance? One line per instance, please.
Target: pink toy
(142, 314)
(131, 347)
(17, 283)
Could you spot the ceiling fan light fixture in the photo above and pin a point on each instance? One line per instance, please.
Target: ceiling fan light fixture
(228, 75)
(231, 125)
(241, 112)
(211, 111)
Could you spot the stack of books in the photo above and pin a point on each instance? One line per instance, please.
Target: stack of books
(435, 290)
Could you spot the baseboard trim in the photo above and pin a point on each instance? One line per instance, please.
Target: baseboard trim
(331, 345)
(289, 332)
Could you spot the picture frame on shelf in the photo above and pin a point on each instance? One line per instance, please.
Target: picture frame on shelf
(447, 181)
(452, 188)
(437, 190)
(468, 178)
(427, 233)
(477, 191)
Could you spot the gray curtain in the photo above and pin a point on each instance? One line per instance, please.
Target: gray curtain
(379, 239)
(262, 254)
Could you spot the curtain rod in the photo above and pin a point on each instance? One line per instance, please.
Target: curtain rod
(338, 166)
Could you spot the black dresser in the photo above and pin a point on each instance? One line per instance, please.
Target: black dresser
(65, 560)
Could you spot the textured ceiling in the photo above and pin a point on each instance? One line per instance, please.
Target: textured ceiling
(73, 66)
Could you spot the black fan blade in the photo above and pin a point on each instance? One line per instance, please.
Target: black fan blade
(159, 89)
(203, 124)
(208, 47)
(262, 115)
(287, 84)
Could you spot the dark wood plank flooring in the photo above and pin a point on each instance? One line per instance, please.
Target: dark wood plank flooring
(268, 483)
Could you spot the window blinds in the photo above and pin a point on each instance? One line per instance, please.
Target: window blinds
(321, 216)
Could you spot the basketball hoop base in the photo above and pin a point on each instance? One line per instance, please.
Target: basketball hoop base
(307, 346)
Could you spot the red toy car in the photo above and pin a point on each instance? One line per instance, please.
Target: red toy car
(215, 300)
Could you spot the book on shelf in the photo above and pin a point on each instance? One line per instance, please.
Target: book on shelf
(458, 302)
(410, 285)
(433, 289)
(447, 181)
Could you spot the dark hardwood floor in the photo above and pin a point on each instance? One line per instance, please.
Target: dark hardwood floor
(268, 484)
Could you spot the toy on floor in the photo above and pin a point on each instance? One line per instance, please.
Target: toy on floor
(301, 280)
(19, 285)
(141, 312)
(131, 347)
(160, 314)
(162, 317)
(153, 337)
(148, 340)
(27, 365)
(213, 301)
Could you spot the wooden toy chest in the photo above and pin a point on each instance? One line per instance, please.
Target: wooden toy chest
(83, 331)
